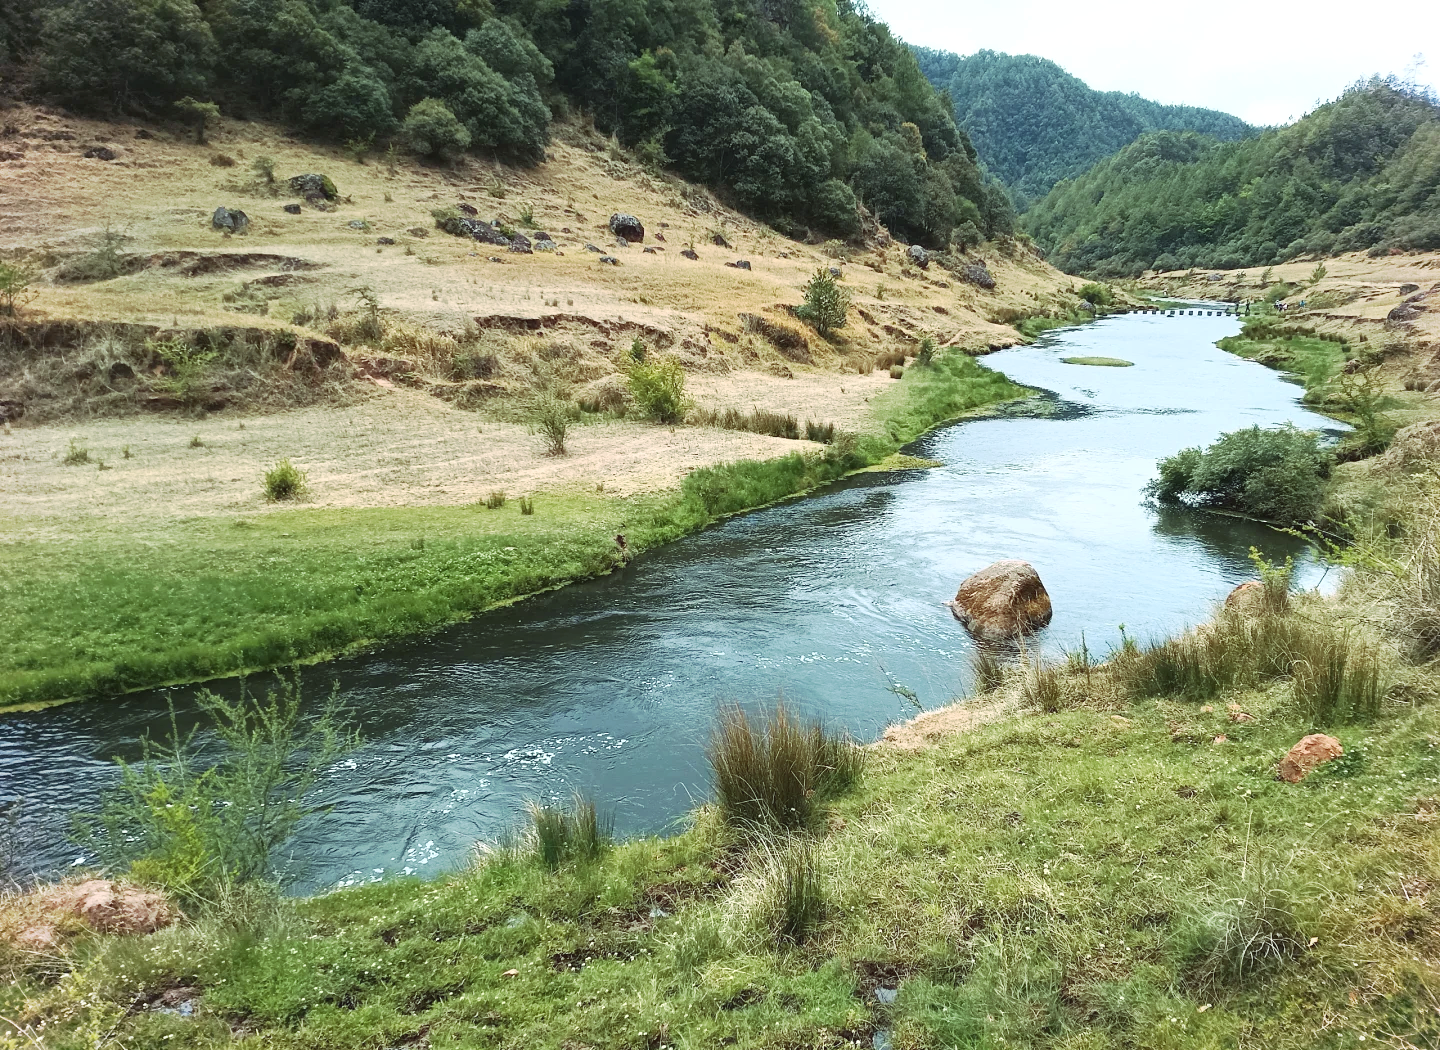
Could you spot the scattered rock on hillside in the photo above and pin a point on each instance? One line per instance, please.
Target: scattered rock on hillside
(313, 185)
(1313, 750)
(230, 220)
(292, 209)
(385, 240)
(521, 245)
(688, 253)
(740, 264)
(592, 248)
(1406, 289)
(627, 226)
(100, 153)
(978, 275)
(659, 236)
(834, 271)
(1404, 313)
(468, 209)
(651, 249)
(609, 260)
(919, 256)
(718, 239)
(1002, 601)
(545, 244)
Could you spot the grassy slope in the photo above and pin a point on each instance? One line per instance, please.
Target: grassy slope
(93, 609)
(1053, 881)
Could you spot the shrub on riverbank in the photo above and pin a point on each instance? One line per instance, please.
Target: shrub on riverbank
(1275, 475)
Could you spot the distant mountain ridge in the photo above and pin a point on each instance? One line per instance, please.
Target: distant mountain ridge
(1034, 124)
(1359, 173)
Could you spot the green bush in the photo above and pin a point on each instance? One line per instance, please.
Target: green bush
(1274, 475)
(825, 303)
(284, 482)
(551, 418)
(188, 367)
(194, 817)
(432, 130)
(1096, 294)
(658, 388)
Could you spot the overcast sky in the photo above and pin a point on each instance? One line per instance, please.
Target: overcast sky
(1263, 62)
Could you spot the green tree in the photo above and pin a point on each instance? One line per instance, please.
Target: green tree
(431, 130)
(825, 303)
(121, 55)
(201, 113)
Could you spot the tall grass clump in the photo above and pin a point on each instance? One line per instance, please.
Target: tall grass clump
(1256, 926)
(1340, 679)
(573, 832)
(285, 481)
(988, 669)
(791, 900)
(1043, 687)
(775, 771)
(1232, 651)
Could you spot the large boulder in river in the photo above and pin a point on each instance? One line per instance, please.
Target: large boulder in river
(1002, 601)
(627, 226)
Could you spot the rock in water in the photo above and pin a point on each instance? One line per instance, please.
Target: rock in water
(627, 226)
(1313, 750)
(1002, 601)
(1247, 599)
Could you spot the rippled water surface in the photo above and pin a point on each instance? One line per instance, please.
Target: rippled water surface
(611, 686)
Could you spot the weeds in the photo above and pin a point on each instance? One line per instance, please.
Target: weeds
(76, 454)
(495, 500)
(576, 832)
(285, 482)
(188, 367)
(775, 773)
(196, 441)
(527, 505)
(1043, 687)
(925, 355)
(757, 421)
(824, 433)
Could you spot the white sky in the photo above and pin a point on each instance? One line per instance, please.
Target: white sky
(1264, 62)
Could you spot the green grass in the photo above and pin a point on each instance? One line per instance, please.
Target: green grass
(1314, 362)
(88, 608)
(1102, 362)
(1072, 880)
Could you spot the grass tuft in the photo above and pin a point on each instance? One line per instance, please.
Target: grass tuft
(285, 482)
(775, 771)
(575, 832)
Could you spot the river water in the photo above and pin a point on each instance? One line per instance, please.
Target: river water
(611, 686)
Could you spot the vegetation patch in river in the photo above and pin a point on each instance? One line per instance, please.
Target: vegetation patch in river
(1102, 362)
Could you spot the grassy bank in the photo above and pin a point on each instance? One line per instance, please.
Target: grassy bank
(1115, 873)
(1315, 362)
(98, 607)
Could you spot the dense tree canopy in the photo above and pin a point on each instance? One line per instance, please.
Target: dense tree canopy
(794, 108)
(1362, 172)
(1034, 124)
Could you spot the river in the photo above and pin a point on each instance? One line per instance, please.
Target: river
(610, 686)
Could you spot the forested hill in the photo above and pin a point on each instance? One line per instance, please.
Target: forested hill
(1034, 124)
(1362, 172)
(791, 110)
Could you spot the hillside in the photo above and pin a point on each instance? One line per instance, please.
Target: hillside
(1034, 124)
(1362, 172)
(790, 116)
(404, 371)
